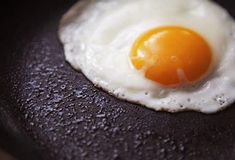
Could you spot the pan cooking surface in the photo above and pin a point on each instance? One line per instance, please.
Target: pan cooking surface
(63, 113)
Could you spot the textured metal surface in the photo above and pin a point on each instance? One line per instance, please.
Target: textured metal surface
(71, 119)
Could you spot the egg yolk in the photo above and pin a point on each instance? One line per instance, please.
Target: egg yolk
(172, 56)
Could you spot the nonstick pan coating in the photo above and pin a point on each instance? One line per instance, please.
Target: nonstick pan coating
(50, 111)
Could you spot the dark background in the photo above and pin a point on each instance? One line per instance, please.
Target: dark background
(49, 111)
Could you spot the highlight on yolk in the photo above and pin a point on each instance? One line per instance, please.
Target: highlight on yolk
(172, 56)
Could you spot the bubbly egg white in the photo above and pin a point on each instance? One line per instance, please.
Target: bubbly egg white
(98, 35)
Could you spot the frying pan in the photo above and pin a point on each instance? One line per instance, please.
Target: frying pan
(50, 111)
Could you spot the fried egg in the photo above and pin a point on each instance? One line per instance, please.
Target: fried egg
(170, 55)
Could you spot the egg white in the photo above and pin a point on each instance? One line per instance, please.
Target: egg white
(98, 35)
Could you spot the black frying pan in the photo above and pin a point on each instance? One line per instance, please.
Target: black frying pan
(49, 111)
